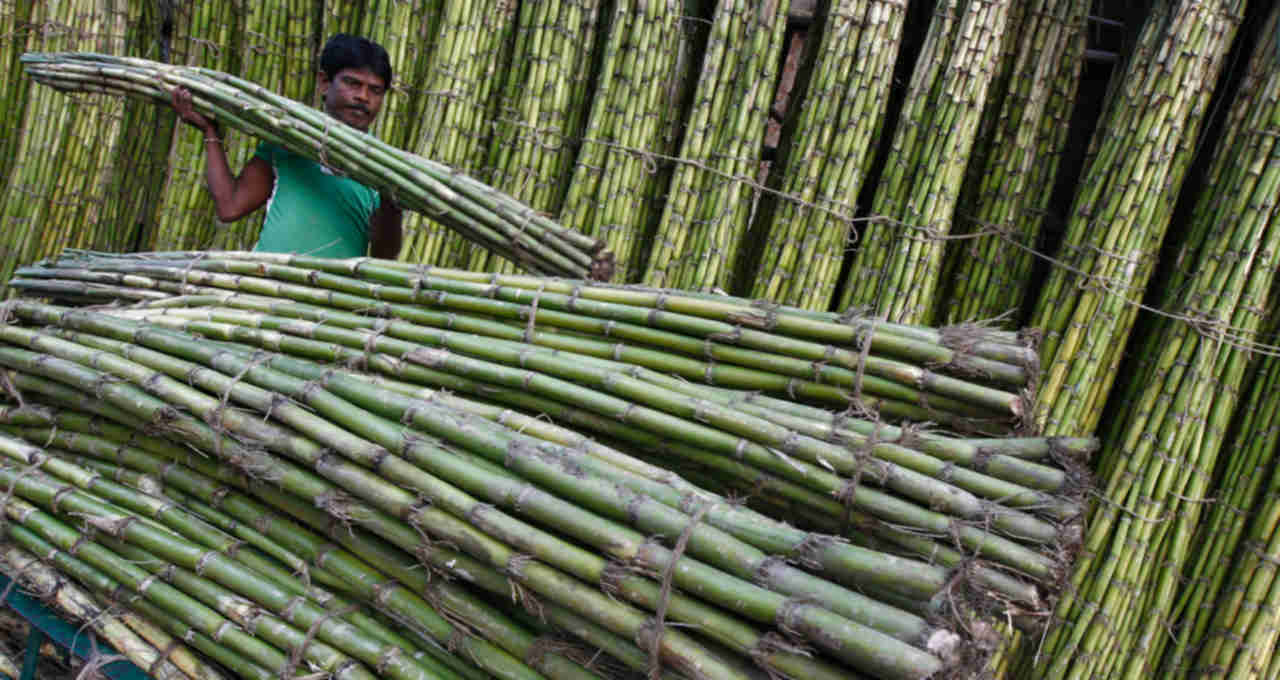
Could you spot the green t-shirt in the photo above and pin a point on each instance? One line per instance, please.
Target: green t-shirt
(312, 210)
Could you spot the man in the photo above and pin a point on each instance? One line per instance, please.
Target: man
(311, 209)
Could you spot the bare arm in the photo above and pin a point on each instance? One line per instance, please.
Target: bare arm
(385, 234)
(233, 197)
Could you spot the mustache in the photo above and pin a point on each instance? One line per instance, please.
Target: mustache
(361, 109)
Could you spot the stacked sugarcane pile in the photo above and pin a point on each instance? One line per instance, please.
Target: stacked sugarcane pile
(937, 526)
(830, 153)
(1124, 205)
(615, 178)
(709, 201)
(898, 263)
(544, 102)
(233, 599)
(1161, 464)
(1012, 176)
(454, 112)
(489, 217)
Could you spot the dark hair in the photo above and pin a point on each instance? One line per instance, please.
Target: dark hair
(350, 51)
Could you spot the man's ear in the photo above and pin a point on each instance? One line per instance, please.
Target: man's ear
(322, 83)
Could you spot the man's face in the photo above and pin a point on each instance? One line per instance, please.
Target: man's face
(353, 96)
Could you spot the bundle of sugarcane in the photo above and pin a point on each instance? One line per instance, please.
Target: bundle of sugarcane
(455, 102)
(1163, 450)
(481, 500)
(710, 197)
(1226, 604)
(615, 176)
(963, 377)
(1008, 192)
(898, 263)
(899, 489)
(134, 638)
(540, 114)
(1246, 630)
(46, 200)
(480, 212)
(829, 153)
(1141, 155)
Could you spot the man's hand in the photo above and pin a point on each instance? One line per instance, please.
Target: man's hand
(233, 197)
(187, 112)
